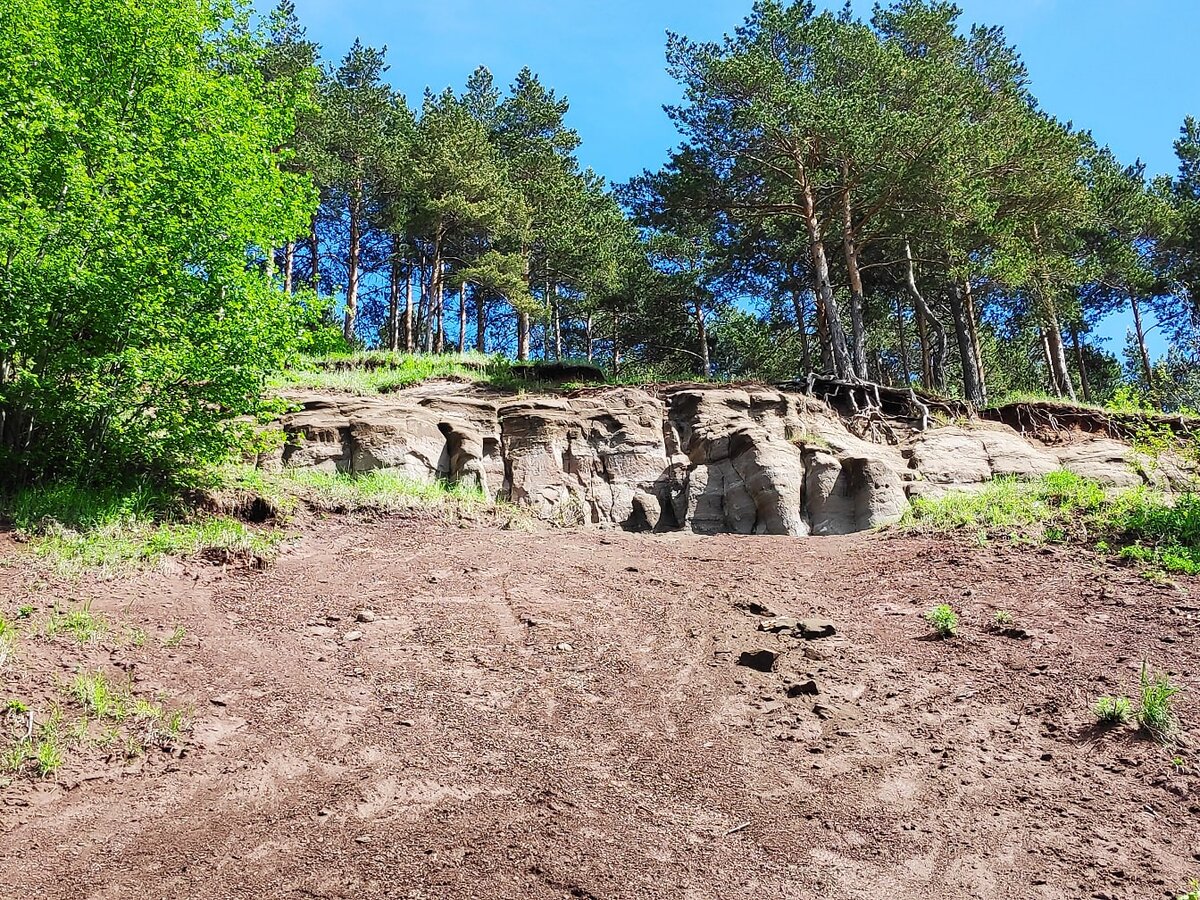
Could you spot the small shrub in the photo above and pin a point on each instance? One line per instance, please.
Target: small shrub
(1003, 618)
(943, 620)
(1113, 711)
(1155, 714)
(24, 612)
(175, 639)
(1193, 892)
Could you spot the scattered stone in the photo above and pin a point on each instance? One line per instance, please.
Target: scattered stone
(804, 689)
(219, 700)
(351, 636)
(814, 629)
(761, 660)
(760, 609)
(778, 624)
(364, 615)
(564, 647)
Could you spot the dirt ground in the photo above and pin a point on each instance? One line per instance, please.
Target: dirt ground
(562, 714)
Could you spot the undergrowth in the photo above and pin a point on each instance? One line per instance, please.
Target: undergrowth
(79, 527)
(1140, 525)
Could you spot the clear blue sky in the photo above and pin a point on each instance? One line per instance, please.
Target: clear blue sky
(1128, 70)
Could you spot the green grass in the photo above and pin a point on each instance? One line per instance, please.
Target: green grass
(943, 620)
(1113, 711)
(1155, 714)
(100, 698)
(380, 490)
(1193, 892)
(381, 372)
(78, 527)
(81, 624)
(1140, 525)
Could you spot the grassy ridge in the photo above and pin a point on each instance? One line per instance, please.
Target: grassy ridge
(1141, 525)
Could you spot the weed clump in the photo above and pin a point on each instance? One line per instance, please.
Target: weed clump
(943, 620)
(1155, 714)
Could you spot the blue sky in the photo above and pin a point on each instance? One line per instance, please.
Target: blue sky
(1128, 70)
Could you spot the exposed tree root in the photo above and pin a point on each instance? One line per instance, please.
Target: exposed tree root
(871, 408)
(1050, 420)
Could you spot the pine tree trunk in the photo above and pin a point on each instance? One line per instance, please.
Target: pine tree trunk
(522, 336)
(702, 340)
(858, 330)
(352, 263)
(1058, 358)
(462, 318)
(1084, 381)
(393, 323)
(802, 327)
(1051, 381)
(972, 392)
(314, 247)
(591, 349)
(616, 340)
(558, 342)
(923, 340)
(409, 337)
(973, 329)
(480, 322)
(827, 366)
(1140, 332)
(937, 353)
(270, 263)
(289, 266)
(902, 344)
(843, 366)
(439, 280)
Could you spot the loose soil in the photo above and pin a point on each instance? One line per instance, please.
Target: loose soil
(562, 714)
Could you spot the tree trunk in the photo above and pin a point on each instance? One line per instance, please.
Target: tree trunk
(1147, 368)
(1058, 359)
(973, 329)
(937, 354)
(409, 343)
(352, 263)
(587, 333)
(616, 339)
(858, 330)
(1052, 382)
(843, 366)
(439, 281)
(923, 340)
(702, 340)
(393, 322)
(289, 265)
(972, 392)
(802, 327)
(1084, 382)
(522, 336)
(558, 342)
(480, 321)
(314, 247)
(462, 318)
(902, 344)
(270, 263)
(823, 341)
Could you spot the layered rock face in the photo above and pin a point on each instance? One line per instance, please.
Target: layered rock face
(708, 459)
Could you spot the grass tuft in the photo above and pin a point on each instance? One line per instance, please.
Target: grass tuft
(1155, 714)
(1113, 711)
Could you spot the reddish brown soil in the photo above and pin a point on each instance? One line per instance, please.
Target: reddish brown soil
(560, 714)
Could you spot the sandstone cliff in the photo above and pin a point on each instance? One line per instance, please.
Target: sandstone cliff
(708, 459)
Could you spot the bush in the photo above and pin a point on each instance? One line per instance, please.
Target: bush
(135, 328)
(943, 620)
